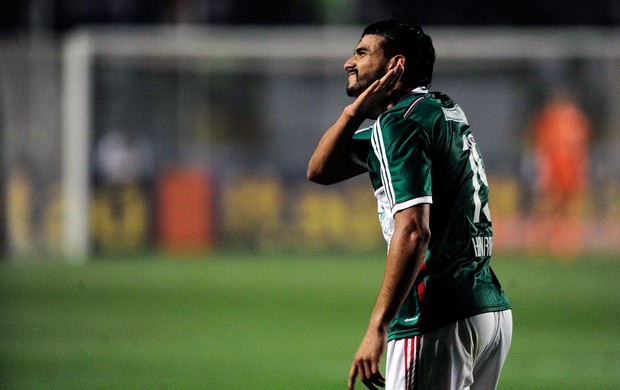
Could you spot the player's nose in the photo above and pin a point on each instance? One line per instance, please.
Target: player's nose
(349, 64)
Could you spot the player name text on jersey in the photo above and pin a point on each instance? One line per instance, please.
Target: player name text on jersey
(483, 246)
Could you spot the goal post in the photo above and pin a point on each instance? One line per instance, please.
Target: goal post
(76, 116)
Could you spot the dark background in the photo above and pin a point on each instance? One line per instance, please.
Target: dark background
(17, 16)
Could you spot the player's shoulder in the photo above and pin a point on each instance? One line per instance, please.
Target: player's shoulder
(363, 134)
(425, 104)
(420, 108)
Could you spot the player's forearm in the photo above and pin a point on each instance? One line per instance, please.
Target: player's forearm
(407, 251)
(330, 161)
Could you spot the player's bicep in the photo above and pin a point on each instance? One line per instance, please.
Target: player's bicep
(356, 163)
(353, 168)
(343, 170)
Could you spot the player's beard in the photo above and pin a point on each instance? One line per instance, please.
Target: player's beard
(363, 81)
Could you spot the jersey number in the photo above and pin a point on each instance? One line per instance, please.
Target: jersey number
(479, 177)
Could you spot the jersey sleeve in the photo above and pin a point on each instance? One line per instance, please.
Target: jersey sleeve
(360, 146)
(402, 147)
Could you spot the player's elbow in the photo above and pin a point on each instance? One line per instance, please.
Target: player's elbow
(317, 175)
(413, 225)
(417, 233)
(422, 234)
(313, 175)
(418, 240)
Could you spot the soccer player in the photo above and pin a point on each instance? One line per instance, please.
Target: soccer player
(440, 309)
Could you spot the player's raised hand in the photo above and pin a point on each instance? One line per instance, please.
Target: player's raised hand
(375, 99)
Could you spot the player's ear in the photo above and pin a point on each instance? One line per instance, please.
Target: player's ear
(397, 59)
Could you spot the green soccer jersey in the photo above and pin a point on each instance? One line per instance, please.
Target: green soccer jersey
(422, 151)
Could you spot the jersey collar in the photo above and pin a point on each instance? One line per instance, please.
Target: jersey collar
(418, 90)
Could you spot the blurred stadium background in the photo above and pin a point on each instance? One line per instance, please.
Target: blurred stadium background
(129, 126)
(134, 132)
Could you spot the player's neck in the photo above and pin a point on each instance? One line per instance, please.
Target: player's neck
(400, 93)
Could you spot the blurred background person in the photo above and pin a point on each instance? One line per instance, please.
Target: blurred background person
(560, 135)
(121, 207)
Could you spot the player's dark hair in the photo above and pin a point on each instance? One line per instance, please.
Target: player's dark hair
(408, 39)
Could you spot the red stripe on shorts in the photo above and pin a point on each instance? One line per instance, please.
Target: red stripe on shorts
(406, 356)
(416, 359)
(410, 348)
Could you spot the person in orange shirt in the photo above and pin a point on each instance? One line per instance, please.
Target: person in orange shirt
(561, 134)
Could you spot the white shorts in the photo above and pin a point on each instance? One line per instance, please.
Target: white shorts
(467, 354)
